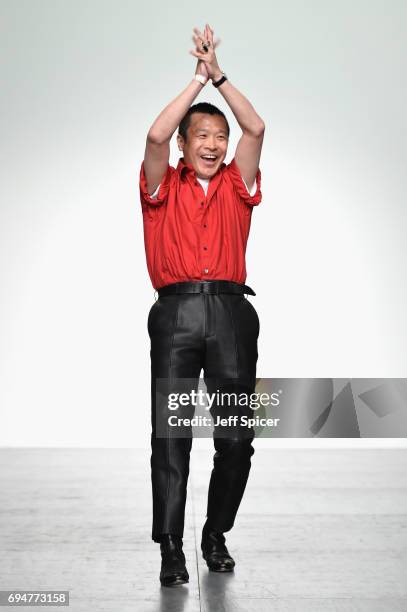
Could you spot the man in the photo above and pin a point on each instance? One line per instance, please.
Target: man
(196, 220)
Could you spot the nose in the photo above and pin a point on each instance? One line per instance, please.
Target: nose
(211, 144)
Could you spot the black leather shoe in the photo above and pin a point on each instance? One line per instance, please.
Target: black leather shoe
(173, 570)
(214, 551)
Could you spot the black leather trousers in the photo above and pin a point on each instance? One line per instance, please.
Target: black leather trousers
(217, 333)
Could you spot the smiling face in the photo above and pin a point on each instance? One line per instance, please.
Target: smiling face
(206, 137)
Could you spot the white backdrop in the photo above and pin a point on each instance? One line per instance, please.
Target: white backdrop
(82, 82)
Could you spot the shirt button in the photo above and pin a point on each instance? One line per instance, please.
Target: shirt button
(205, 225)
(206, 271)
(202, 203)
(205, 248)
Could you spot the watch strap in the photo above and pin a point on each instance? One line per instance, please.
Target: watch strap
(220, 81)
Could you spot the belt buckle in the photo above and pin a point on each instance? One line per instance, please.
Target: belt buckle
(207, 284)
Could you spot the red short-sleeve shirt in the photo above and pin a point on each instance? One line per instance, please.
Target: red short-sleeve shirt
(192, 236)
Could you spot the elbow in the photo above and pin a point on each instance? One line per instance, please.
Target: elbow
(154, 137)
(257, 129)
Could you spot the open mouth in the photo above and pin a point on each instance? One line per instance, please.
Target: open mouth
(209, 160)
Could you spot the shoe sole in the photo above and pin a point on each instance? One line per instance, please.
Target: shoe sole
(177, 582)
(222, 568)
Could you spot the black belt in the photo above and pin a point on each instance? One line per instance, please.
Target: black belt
(213, 287)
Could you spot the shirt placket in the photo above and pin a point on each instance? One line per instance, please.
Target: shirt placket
(203, 236)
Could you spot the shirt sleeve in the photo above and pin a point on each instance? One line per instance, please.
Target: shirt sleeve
(161, 193)
(155, 194)
(252, 191)
(250, 198)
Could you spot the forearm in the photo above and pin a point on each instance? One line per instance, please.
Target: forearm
(169, 119)
(246, 116)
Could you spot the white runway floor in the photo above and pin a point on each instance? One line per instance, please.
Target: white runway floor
(318, 530)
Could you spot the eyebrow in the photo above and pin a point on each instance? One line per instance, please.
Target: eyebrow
(205, 130)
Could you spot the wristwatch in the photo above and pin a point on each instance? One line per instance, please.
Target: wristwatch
(201, 78)
(221, 80)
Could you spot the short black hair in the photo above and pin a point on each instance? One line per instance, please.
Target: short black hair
(201, 107)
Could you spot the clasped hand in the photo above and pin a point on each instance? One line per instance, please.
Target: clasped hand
(207, 61)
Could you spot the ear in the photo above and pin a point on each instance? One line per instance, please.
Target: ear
(180, 142)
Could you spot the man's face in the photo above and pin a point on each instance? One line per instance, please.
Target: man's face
(206, 136)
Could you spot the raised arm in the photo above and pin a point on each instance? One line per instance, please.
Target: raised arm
(248, 150)
(157, 152)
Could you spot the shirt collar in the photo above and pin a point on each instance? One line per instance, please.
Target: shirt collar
(184, 168)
